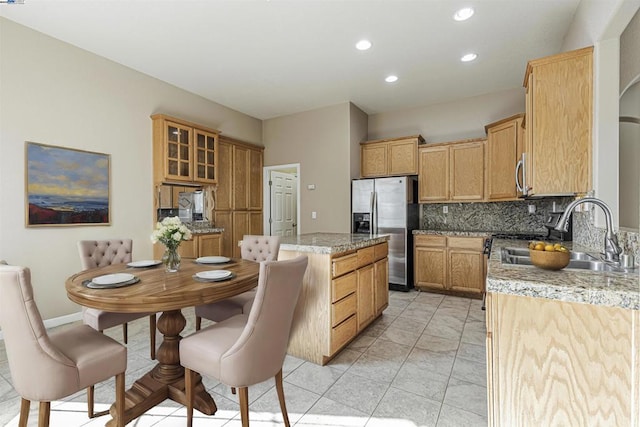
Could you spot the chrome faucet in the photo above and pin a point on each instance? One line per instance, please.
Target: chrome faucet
(612, 249)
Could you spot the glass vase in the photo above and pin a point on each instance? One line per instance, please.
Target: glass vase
(171, 259)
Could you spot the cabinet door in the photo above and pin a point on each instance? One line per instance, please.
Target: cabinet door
(240, 172)
(224, 200)
(255, 223)
(189, 248)
(255, 180)
(240, 228)
(381, 272)
(365, 296)
(373, 158)
(467, 171)
(466, 271)
(205, 160)
(403, 157)
(178, 151)
(430, 267)
(561, 112)
(504, 144)
(224, 220)
(209, 244)
(433, 175)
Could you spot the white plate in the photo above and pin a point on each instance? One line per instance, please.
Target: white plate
(213, 274)
(145, 263)
(212, 260)
(111, 279)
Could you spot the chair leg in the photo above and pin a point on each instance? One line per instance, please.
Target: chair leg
(24, 412)
(124, 333)
(198, 323)
(152, 335)
(188, 388)
(43, 414)
(120, 399)
(244, 406)
(90, 401)
(280, 390)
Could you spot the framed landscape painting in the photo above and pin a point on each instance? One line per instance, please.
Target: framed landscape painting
(66, 187)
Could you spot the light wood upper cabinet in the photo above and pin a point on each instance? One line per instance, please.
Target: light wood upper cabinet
(559, 115)
(505, 141)
(390, 157)
(451, 171)
(183, 151)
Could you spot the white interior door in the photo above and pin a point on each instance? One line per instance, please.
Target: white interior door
(283, 204)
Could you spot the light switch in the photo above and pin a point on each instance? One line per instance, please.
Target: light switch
(311, 187)
(314, 215)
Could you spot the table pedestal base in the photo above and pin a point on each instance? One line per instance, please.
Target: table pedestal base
(166, 379)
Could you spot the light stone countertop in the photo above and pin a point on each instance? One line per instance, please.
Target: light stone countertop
(589, 287)
(456, 233)
(330, 243)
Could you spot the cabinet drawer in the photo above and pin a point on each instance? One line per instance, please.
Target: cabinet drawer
(381, 250)
(365, 256)
(344, 264)
(429, 240)
(343, 309)
(470, 243)
(342, 333)
(343, 286)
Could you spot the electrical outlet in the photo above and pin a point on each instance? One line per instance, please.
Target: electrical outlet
(532, 209)
(445, 209)
(314, 215)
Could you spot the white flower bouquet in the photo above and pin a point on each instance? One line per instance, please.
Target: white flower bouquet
(170, 232)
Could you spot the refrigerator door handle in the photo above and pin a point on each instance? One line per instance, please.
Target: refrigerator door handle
(374, 213)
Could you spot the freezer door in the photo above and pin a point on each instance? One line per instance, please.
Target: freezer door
(391, 197)
(361, 195)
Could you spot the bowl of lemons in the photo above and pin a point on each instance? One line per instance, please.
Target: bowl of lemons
(549, 256)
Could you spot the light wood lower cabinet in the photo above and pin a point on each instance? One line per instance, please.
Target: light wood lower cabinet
(209, 244)
(552, 362)
(453, 265)
(341, 295)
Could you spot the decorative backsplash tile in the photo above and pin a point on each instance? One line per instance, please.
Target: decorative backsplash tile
(506, 217)
(587, 234)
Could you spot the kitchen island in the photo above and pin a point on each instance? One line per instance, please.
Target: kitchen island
(563, 347)
(345, 288)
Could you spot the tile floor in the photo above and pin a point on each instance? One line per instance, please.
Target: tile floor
(421, 364)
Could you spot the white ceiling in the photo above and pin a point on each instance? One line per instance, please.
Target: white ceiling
(272, 58)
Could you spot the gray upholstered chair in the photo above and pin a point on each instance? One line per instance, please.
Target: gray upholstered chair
(49, 367)
(253, 248)
(100, 253)
(247, 349)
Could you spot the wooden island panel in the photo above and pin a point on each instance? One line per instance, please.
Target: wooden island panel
(336, 302)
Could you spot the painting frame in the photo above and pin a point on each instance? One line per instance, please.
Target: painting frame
(66, 186)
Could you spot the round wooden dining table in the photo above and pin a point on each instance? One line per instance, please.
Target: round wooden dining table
(161, 291)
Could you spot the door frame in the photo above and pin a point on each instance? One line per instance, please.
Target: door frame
(266, 194)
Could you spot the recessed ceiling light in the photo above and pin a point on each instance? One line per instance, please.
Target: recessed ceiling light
(363, 45)
(468, 57)
(391, 79)
(463, 14)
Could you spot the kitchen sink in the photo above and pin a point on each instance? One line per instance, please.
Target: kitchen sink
(577, 260)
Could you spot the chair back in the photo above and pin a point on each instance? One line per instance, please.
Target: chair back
(100, 253)
(31, 355)
(259, 352)
(260, 248)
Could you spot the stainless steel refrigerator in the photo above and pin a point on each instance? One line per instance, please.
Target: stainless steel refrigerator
(387, 206)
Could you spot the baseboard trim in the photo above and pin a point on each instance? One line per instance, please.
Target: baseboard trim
(57, 321)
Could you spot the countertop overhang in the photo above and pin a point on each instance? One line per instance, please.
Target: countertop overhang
(330, 243)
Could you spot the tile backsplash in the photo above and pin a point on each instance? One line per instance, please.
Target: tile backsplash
(507, 217)
(587, 234)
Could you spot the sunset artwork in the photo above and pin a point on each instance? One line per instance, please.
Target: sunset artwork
(66, 186)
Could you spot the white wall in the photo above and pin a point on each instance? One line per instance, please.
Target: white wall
(451, 121)
(319, 141)
(54, 93)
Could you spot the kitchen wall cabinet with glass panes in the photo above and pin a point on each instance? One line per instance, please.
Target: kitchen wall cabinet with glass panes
(390, 157)
(184, 151)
